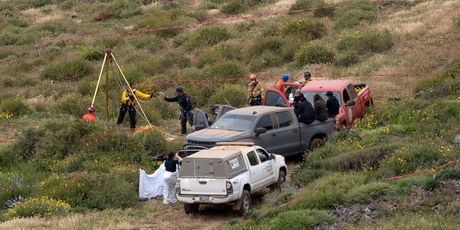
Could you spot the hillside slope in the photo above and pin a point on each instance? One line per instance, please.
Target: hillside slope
(51, 52)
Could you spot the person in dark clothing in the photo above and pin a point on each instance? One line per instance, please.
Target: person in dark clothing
(320, 108)
(332, 105)
(303, 109)
(185, 107)
(170, 178)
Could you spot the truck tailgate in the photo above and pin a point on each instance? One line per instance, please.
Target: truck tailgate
(195, 186)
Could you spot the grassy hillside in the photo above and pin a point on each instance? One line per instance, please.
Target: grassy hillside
(51, 52)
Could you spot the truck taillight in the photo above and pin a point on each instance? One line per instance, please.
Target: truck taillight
(229, 187)
(178, 187)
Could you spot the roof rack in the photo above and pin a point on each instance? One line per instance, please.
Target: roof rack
(235, 143)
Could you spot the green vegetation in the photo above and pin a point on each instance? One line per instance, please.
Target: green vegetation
(70, 70)
(51, 53)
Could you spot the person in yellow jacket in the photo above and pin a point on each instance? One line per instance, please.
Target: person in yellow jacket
(128, 105)
(254, 91)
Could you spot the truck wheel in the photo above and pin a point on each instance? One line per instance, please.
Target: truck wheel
(245, 203)
(281, 180)
(316, 143)
(191, 208)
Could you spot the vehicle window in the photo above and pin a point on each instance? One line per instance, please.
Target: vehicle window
(352, 92)
(346, 96)
(236, 166)
(309, 96)
(200, 118)
(265, 122)
(252, 158)
(234, 122)
(207, 168)
(284, 119)
(274, 99)
(263, 156)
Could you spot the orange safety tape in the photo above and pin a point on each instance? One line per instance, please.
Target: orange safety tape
(432, 170)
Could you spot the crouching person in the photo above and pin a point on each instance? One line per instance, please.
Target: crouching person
(170, 178)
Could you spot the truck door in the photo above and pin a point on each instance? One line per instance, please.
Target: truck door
(256, 170)
(287, 134)
(357, 110)
(274, 97)
(268, 167)
(266, 139)
(222, 110)
(200, 120)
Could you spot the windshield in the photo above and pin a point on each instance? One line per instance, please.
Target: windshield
(309, 96)
(234, 122)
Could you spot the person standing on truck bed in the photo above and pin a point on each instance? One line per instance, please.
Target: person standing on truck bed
(170, 178)
(128, 105)
(279, 84)
(320, 108)
(332, 104)
(303, 109)
(254, 91)
(185, 108)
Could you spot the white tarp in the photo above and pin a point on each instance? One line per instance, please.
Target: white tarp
(151, 186)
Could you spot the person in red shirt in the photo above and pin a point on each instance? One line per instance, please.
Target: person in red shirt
(90, 116)
(279, 84)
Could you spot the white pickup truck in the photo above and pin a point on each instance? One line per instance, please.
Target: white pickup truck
(228, 174)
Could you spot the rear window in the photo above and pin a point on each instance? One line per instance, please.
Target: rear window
(212, 168)
(203, 168)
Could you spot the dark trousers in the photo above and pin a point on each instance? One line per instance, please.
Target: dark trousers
(185, 116)
(132, 115)
(257, 100)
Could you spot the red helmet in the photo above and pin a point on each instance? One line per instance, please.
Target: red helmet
(91, 109)
(253, 77)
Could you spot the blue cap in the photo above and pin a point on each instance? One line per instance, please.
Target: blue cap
(179, 89)
(285, 77)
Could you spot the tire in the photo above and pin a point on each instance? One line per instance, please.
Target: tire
(245, 203)
(191, 208)
(316, 143)
(281, 180)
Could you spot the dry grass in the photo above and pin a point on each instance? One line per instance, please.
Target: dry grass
(36, 15)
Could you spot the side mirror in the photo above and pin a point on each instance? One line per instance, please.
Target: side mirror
(350, 103)
(272, 156)
(260, 130)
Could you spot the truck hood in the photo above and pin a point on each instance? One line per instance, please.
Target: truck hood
(215, 135)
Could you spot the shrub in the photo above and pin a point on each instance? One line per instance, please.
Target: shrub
(164, 19)
(53, 139)
(207, 36)
(444, 85)
(174, 60)
(232, 7)
(303, 176)
(347, 58)
(407, 160)
(19, 81)
(40, 206)
(94, 190)
(72, 104)
(218, 53)
(307, 29)
(313, 53)
(224, 70)
(142, 69)
(152, 42)
(91, 53)
(300, 219)
(72, 70)
(110, 140)
(367, 42)
(154, 143)
(351, 16)
(15, 108)
(234, 94)
(359, 159)
(124, 8)
(367, 192)
(265, 60)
